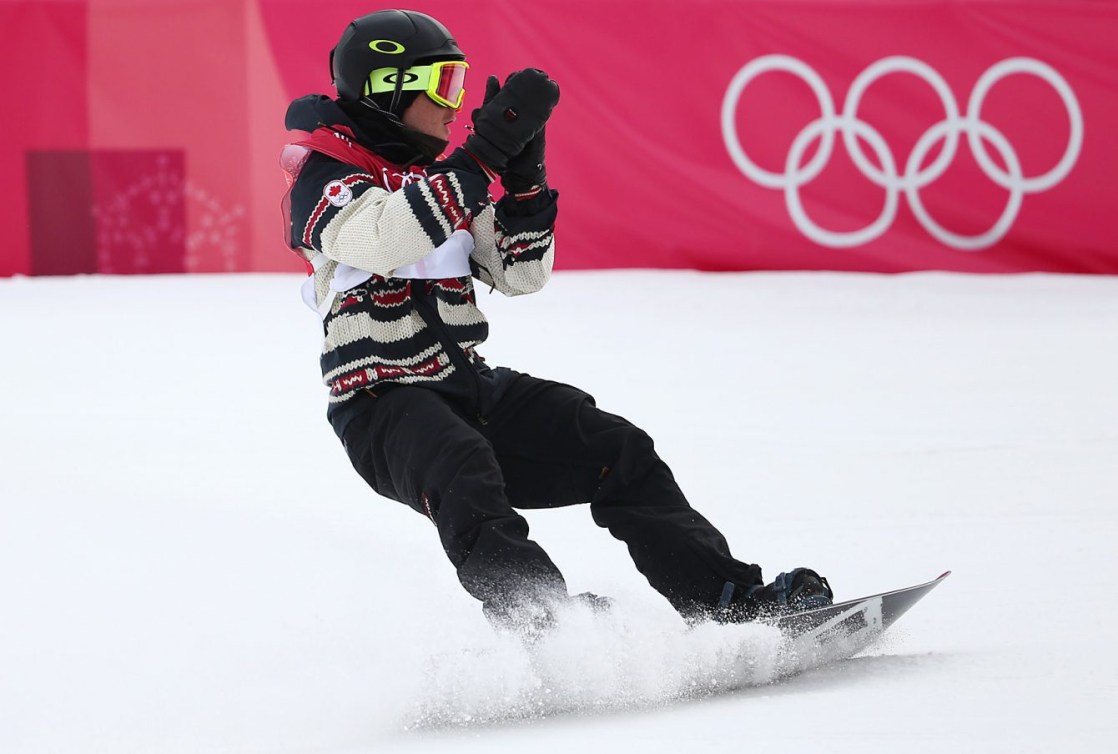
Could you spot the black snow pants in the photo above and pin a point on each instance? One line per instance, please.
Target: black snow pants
(541, 445)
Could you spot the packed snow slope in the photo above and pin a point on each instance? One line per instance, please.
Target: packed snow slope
(189, 564)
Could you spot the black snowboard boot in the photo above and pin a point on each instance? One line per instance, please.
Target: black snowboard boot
(792, 592)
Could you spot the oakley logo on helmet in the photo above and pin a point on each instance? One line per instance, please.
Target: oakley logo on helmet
(386, 46)
(914, 175)
(408, 77)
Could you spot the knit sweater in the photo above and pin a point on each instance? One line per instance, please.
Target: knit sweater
(356, 218)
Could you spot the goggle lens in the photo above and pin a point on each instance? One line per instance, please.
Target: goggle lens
(449, 86)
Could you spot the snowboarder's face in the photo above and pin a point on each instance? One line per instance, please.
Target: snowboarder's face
(426, 116)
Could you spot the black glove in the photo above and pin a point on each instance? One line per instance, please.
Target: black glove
(492, 86)
(526, 171)
(510, 116)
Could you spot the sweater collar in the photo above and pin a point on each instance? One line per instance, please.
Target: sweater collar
(370, 128)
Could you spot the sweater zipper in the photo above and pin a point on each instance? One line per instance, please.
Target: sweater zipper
(429, 311)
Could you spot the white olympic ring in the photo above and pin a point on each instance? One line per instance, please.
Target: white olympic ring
(914, 178)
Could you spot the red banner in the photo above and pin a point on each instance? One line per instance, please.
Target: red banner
(143, 135)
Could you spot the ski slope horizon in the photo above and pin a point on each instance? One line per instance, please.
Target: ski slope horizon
(189, 564)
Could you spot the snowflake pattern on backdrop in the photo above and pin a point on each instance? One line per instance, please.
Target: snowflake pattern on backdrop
(161, 211)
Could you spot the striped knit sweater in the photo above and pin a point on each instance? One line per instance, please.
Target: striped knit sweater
(360, 218)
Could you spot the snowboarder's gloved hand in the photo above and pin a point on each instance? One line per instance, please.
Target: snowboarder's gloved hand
(511, 116)
(526, 172)
(492, 86)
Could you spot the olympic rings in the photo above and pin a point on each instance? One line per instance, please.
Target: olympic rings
(854, 130)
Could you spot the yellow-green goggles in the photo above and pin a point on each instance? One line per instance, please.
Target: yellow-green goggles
(444, 81)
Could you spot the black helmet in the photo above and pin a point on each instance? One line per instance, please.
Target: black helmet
(387, 39)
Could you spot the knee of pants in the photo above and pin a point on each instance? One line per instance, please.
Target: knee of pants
(629, 454)
(465, 489)
(471, 511)
(639, 483)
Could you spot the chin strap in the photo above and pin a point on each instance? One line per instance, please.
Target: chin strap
(429, 147)
(395, 120)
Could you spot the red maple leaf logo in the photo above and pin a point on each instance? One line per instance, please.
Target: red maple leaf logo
(335, 189)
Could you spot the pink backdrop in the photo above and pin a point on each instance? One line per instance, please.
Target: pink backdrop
(143, 135)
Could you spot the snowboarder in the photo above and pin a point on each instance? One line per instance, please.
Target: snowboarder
(394, 235)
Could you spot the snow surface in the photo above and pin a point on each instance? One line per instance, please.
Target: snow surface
(189, 564)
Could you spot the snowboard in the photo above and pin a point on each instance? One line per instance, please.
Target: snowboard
(837, 632)
(628, 667)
